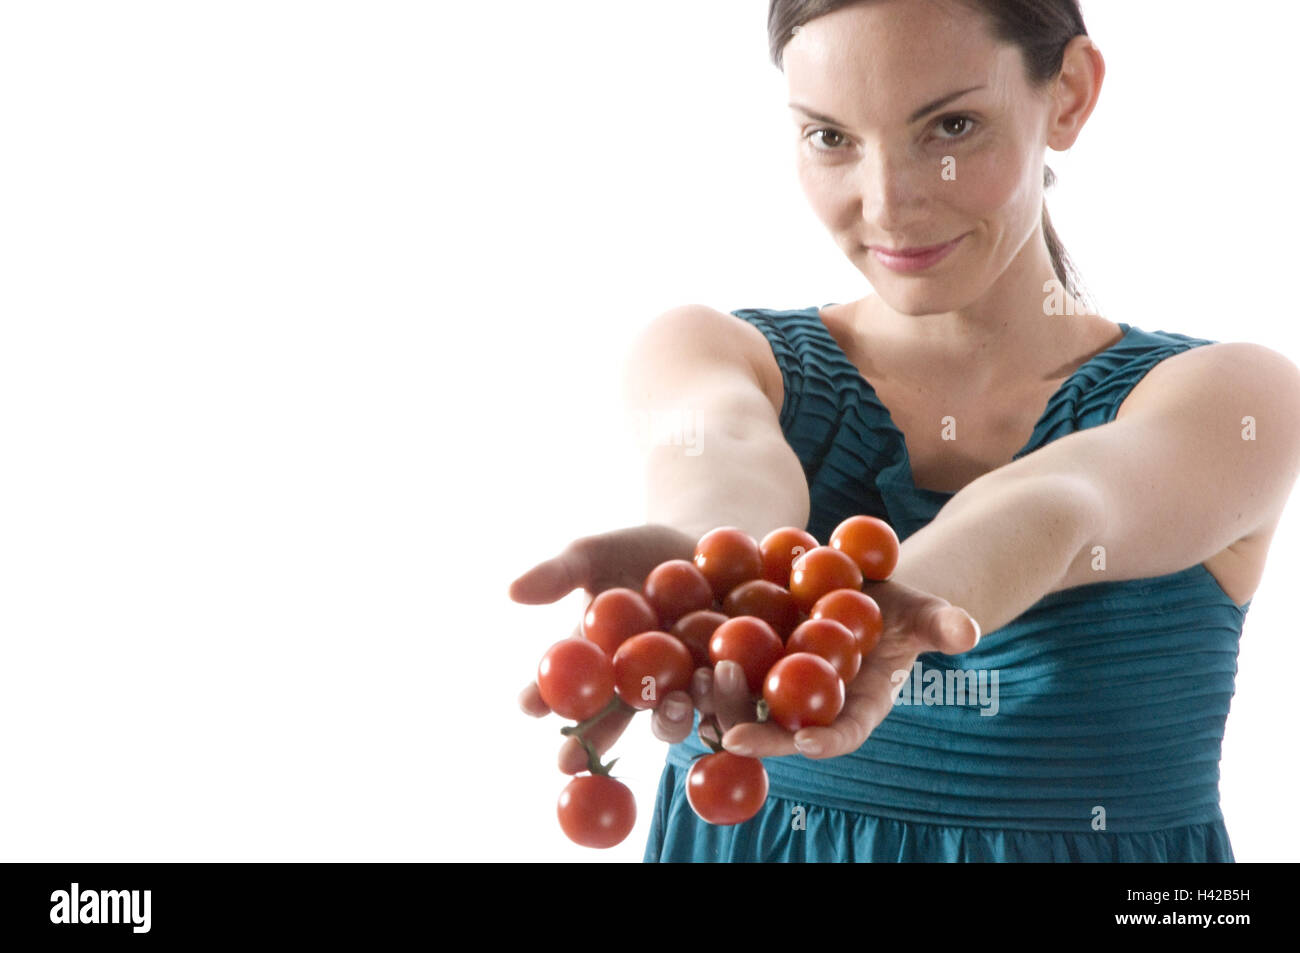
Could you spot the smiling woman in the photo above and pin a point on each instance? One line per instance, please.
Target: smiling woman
(921, 129)
(1097, 499)
(1033, 36)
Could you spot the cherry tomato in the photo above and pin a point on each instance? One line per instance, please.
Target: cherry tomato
(780, 548)
(770, 602)
(751, 643)
(802, 690)
(675, 588)
(728, 556)
(596, 811)
(871, 543)
(695, 629)
(857, 610)
(832, 641)
(820, 571)
(616, 615)
(726, 788)
(649, 666)
(575, 678)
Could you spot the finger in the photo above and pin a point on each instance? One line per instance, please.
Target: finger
(731, 698)
(530, 701)
(573, 757)
(842, 736)
(672, 720)
(755, 740)
(552, 579)
(702, 691)
(947, 629)
(602, 735)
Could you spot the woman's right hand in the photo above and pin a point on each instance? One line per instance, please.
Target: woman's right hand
(624, 557)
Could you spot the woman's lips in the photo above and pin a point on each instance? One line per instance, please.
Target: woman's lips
(914, 259)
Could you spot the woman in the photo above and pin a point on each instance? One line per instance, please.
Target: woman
(1098, 499)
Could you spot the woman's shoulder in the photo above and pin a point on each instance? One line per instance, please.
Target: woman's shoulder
(767, 338)
(791, 343)
(755, 335)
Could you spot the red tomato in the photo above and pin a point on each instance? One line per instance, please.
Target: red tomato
(675, 588)
(803, 690)
(596, 811)
(780, 548)
(616, 615)
(695, 629)
(725, 788)
(751, 643)
(820, 571)
(832, 641)
(770, 602)
(575, 678)
(857, 610)
(870, 542)
(649, 666)
(727, 557)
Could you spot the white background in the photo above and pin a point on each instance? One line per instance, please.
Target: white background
(311, 316)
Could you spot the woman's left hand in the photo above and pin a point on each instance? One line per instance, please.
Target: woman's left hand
(914, 622)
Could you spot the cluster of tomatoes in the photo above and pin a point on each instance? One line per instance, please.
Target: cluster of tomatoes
(789, 611)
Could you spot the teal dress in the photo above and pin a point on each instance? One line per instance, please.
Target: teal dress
(1100, 739)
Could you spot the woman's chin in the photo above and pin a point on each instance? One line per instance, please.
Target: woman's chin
(914, 296)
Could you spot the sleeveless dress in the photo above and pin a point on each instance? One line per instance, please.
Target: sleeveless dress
(1111, 698)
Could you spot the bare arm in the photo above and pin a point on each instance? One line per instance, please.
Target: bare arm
(692, 377)
(720, 458)
(1203, 453)
(1000, 545)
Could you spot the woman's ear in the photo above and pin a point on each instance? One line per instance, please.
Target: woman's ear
(1076, 92)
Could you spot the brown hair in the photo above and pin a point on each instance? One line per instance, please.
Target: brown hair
(1040, 28)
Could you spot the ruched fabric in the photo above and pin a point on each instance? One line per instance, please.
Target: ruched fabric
(1091, 726)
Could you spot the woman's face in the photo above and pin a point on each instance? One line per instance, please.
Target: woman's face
(878, 175)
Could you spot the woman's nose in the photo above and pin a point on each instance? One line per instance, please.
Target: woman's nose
(894, 191)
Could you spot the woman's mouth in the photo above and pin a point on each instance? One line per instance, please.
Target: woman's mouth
(914, 259)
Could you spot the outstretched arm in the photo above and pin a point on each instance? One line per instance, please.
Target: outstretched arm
(1204, 452)
(1001, 544)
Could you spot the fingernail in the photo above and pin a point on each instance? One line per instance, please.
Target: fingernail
(807, 746)
(978, 633)
(729, 676)
(676, 709)
(701, 682)
(742, 750)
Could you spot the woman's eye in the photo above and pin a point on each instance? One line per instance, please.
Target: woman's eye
(958, 126)
(837, 139)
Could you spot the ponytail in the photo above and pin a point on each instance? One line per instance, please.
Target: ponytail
(1066, 273)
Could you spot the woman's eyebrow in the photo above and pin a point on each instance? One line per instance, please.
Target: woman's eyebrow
(919, 114)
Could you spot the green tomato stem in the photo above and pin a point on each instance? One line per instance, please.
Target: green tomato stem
(594, 764)
(593, 757)
(580, 727)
